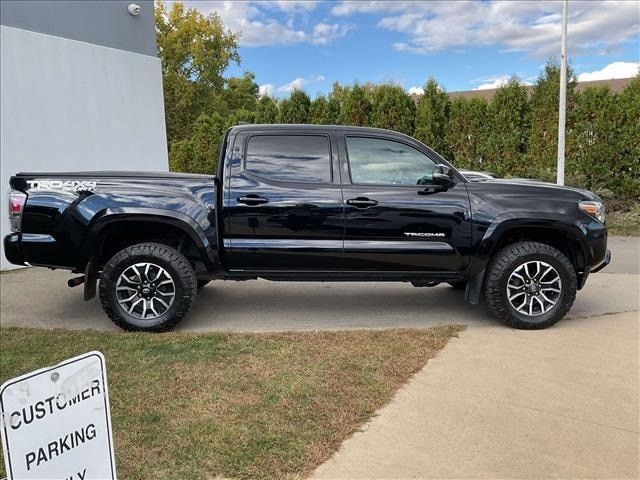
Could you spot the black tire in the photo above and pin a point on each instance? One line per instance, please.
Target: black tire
(507, 261)
(202, 283)
(175, 265)
(459, 285)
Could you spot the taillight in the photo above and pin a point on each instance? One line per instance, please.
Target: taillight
(16, 205)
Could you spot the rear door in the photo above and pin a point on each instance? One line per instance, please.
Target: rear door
(283, 209)
(396, 220)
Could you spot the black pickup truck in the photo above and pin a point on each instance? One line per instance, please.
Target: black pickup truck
(309, 203)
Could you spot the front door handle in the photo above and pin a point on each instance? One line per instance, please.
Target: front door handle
(252, 199)
(362, 202)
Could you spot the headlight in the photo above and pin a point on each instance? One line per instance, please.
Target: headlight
(595, 209)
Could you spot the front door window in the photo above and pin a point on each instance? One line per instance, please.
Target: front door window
(376, 161)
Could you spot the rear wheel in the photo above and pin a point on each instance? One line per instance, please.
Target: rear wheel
(147, 287)
(530, 285)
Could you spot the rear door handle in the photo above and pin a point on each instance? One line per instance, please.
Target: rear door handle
(362, 202)
(252, 199)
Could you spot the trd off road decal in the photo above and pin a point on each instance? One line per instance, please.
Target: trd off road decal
(66, 185)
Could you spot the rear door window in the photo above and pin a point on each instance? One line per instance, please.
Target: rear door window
(290, 158)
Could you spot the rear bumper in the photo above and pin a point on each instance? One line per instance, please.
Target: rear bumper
(13, 250)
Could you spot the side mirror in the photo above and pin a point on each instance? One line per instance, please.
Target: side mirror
(443, 176)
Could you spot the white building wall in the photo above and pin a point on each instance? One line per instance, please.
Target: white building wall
(68, 106)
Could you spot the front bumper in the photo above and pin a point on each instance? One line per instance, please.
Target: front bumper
(13, 249)
(605, 262)
(582, 279)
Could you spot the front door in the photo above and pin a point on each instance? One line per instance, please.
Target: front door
(284, 208)
(396, 219)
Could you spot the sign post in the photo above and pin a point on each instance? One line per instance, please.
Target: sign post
(56, 422)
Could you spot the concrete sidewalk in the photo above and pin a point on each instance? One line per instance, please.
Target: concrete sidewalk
(501, 403)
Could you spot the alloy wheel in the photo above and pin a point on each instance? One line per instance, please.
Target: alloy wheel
(145, 290)
(534, 288)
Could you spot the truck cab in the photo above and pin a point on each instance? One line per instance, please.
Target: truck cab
(348, 202)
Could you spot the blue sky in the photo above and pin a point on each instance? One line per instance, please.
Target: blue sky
(463, 44)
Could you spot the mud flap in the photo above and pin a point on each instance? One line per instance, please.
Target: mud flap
(474, 288)
(90, 280)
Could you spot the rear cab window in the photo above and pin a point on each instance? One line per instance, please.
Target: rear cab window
(289, 158)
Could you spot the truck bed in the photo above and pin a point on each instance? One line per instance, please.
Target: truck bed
(113, 173)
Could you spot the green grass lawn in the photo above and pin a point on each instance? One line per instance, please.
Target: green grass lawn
(222, 405)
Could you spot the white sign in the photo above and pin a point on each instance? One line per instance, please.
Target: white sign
(56, 422)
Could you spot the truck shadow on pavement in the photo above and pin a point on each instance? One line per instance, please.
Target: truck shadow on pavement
(258, 305)
(40, 298)
(265, 306)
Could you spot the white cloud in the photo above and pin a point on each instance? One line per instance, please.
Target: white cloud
(416, 91)
(290, 5)
(324, 33)
(346, 7)
(495, 82)
(613, 70)
(532, 26)
(298, 84)
(266, 89)
(295, 84)
(262, 23)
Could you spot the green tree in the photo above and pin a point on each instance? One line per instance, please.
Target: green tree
(629, 186)
(543, 120)
(465, 131)
(241, 92)
(194, 51)
(393, 109)
(595, 140)
(319, 112)
(334, 104)
(431, 117)
(355, 108)
(295, 109)
(199, 154)
(241, 115)
(338, 92)
(504, 146)
(267, 110)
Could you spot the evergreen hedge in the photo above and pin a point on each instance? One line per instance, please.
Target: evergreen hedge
(514, 134)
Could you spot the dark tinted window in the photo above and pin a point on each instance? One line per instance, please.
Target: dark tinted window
(290, 158)
(385, 162)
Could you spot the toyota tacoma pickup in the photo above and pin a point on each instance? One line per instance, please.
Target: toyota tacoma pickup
(309, 203)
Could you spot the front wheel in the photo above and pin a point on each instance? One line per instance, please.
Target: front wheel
(147, 287)
(530, 285)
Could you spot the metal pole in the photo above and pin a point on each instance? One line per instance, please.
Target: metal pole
(562, 118)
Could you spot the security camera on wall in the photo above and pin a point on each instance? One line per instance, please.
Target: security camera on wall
(134, 9)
